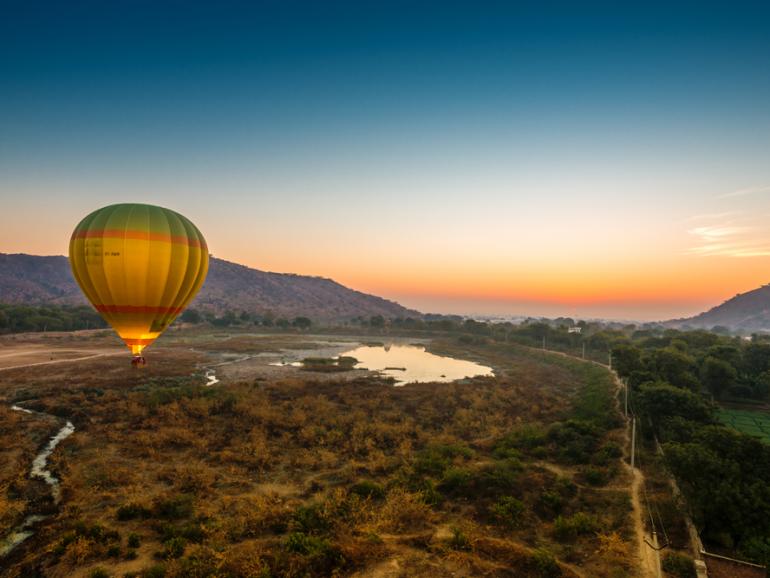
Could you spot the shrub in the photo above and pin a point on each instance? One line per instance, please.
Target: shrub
(459, 541)
(156, 571)
(456, 481)
(679, 565)
(113, 551)
(134, 540)
(368, 489)
(175, 507)
(174, 547)
(323, 558)
(311, 520)
(99, 572)
(507, 511)
(499, 478)
(549, 504)
(524, 438)
(595, 476)
(571, 527)
(546, 564)
(435, 459)
(131, 512)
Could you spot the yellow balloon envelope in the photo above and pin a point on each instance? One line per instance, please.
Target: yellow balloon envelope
(140, 266)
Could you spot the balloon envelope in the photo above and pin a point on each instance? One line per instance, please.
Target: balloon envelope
(140, 266)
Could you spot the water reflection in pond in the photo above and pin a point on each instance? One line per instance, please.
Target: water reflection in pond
(410, 363)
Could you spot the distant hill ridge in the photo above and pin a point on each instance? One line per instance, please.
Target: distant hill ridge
(746, 312)
(33, 279)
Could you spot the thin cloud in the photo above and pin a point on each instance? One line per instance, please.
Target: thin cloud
(746, 192)
(729, 240)
(711, 216)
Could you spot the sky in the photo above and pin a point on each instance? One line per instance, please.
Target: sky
(593, 160)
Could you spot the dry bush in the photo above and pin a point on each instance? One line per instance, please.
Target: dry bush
(403, 511)
(79, 551)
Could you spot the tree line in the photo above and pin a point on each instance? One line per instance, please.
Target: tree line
(676, 379)
(21, 318)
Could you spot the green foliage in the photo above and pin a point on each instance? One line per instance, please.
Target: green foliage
(675, 367)
(595, 476)
(174, 507)
(21, 318)
(508, 511)
(132, 511)
(522, 439)
(155, 571)
(368, 489)
(660, 401)
(435, 459)
(679, 565)
(174, 547)
(626, 358)
(724, 477)
(570, 527)
(459, 541)
(549, 504)
(311, 519)
(456, 481)
(717, 376)
(322, 557)
(574, 441)
(546, 564)
(499, 478)
(302, 322)
(99, 572)
(191, 316)
(134, 541)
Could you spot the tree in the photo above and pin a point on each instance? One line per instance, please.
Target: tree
(659, 401)
(675, 367)
(626, 359)
(190, 316)
(302, 323)
(377, 321)
(717, 376)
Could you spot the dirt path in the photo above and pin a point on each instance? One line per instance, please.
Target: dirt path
(52, 361)
(649, 560)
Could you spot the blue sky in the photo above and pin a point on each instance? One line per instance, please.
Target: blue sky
(483, 157)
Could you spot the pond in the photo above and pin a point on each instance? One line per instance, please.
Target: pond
(411, 363)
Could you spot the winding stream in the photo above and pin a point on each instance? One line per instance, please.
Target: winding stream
(38, 470)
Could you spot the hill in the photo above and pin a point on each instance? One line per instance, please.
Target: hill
(32, 279)
(746, 312)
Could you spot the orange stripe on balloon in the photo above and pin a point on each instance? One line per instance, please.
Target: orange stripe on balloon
(140, 235)
(144, 309)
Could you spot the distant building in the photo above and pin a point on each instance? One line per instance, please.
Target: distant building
(574, 329)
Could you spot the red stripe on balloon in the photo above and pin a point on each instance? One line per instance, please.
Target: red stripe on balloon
(140, 235)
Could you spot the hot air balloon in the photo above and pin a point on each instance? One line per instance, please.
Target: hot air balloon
(140, 266)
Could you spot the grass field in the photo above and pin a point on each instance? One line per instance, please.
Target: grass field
(752, 422)
(281, 472)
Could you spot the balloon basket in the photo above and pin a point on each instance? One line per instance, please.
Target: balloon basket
(138, 361)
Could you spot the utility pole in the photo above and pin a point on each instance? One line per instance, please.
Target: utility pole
(610, 360)
(633, 442)
(584, 349)
(543, 342)
(625, 389)
(656, 549)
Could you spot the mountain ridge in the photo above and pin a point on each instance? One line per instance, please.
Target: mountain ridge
(746, 312)
(37, 279)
